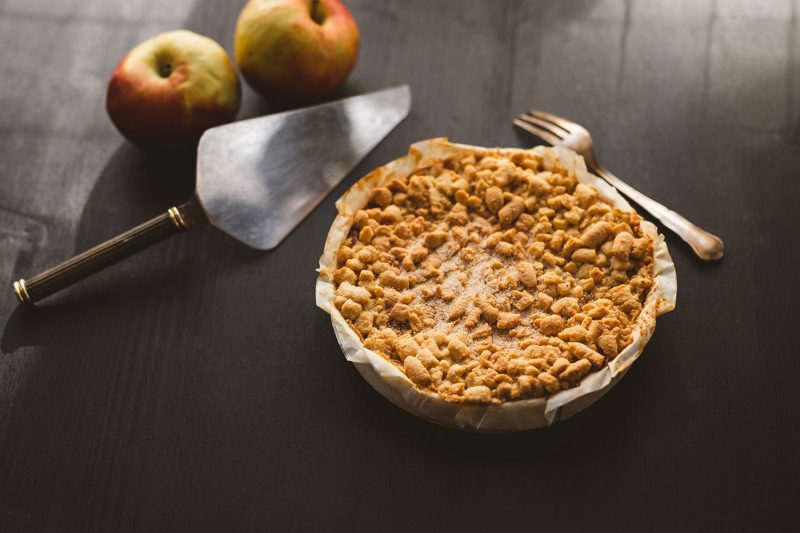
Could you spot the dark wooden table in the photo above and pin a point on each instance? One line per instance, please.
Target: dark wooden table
(196, 387)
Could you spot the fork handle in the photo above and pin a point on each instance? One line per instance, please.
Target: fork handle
(706, 245)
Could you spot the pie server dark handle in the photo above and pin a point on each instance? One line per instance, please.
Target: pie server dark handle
(172, 222)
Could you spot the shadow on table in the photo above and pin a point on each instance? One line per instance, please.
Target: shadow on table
(134, 186)
(75, 332)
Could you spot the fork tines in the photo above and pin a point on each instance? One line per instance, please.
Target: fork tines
(543, 125)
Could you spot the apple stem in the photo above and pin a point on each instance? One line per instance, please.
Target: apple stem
(315, 15)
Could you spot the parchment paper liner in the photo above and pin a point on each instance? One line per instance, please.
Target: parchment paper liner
(390, 381)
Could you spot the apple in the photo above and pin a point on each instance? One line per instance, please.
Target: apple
(171, 88)
(296, 47)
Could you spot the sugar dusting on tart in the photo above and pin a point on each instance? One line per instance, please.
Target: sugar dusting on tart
(489, 277)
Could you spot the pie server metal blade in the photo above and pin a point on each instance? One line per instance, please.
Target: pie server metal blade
(256, 180)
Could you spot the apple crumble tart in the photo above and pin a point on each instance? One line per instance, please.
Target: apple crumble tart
(487, 278)
(492, 289)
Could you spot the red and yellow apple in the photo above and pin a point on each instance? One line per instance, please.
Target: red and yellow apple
(171, 88)
(296, 47)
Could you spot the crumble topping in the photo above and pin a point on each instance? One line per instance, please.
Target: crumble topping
(486, 278)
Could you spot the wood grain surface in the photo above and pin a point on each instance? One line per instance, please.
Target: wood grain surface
(196, 387)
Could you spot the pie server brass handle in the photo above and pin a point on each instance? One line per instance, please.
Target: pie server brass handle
(172, 222)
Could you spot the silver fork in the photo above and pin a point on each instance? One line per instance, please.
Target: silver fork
(560, 131)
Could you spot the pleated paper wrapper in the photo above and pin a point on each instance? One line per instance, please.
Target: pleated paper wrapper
(515, 415)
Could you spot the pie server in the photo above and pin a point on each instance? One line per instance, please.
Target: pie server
(256, 180)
